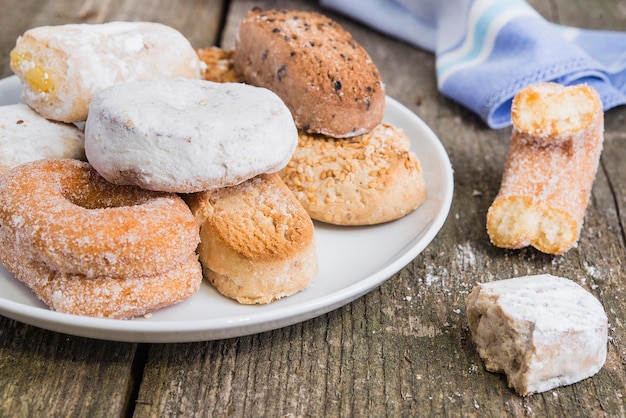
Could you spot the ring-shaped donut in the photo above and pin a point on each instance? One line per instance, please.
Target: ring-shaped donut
(76, 222)
(102, 296)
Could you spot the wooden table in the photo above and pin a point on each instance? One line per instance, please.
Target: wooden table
(404, 349)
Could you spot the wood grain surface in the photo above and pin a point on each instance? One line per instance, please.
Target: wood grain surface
(404, 349)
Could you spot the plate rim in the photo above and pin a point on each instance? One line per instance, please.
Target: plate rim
(139, 331)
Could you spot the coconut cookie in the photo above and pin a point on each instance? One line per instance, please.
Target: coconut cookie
(365, 180)
(541, 331)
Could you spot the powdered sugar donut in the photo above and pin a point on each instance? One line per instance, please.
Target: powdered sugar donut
(63, 67)
(184, 136)
(27, 136)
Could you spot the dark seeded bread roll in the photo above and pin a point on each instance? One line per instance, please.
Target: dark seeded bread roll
(323, 75)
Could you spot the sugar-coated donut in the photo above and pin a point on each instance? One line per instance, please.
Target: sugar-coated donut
(62, 67)
(78, 223)
(185, 136)
(117, 297)
(27, 136)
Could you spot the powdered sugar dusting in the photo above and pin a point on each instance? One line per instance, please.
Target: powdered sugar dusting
(204, 135)
(96, 56)
(466, 256)
(27, 136)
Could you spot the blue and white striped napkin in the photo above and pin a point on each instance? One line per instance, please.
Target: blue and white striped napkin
(487, 50)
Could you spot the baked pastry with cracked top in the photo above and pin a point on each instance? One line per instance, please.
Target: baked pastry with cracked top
(257, 244)
(365, 180)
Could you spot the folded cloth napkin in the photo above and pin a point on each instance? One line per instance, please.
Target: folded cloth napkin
(487, 50)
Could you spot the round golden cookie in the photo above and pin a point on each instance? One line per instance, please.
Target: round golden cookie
(257, 243)
(364, 180)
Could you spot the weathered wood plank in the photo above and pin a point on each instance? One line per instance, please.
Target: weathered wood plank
(44, 373)
(404, 349)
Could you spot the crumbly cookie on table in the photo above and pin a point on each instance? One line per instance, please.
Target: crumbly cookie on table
(542, 331)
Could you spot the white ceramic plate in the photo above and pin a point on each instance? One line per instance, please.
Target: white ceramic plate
(353, 261)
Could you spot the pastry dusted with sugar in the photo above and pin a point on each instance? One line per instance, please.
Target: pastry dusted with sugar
(257, 243)
(325, 77)
(186, 136)
(85, 246)
(27, 136)
(63, 67)
(542, 331)
(550, 168)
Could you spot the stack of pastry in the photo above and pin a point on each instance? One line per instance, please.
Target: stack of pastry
(542, 331)
(229, 140)
(88, 247)
(258, 141)
(219, 144)
(349, 168)
(82, 244)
